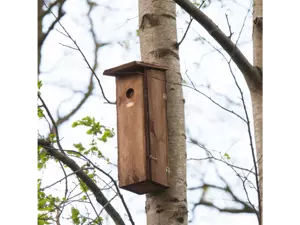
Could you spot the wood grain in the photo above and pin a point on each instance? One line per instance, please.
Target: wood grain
(131, 130)
(157, 125)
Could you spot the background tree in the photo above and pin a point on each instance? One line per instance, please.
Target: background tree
(207, 180)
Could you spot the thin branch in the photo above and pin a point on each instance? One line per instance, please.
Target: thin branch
(50, 6)
(74, 173)
(187, 29)
(65, 178)
(53, 123)
(90, 201)
(245, 189)
(250, 135)
(220, 160)
(251, 74)
(59, 16)
(244, 21)
(108, 202)
(247, 119)
(114, 182)
(85, 59)
(246, 208)
(200, 92)
(102, 171)
(86, 179)
(246, 113)
(90, 87)
(229, 27)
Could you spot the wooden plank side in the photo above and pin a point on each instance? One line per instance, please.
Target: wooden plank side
(131, 130)
(158, 125)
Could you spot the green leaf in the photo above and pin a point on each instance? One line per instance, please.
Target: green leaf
(100, 154)
(83, 186)
(91, 175)
(40, 84)
(37, 184)
(226, 156)
(75, 124)
(52, 138)
(94, 149)
(79, 147)
(75, 215)
(40, 113)
(90, 131)
(104, 138)
(98, 221)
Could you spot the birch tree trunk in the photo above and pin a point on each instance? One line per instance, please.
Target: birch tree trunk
(40, 31)
(256, 93)
(158, 38)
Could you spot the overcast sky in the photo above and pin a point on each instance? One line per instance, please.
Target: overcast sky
(206, 122)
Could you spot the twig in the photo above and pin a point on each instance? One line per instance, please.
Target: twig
(85, 59)
(251, 74)
(111, 178)
(53, 124)
(250, 136)
(60, 15)
(86, 179)
(187, 29)
(244, 21)
(229, 27)
(74, 173)
(195, 89)
(108, 202)
(246, 192)
(90, 201)
(220, 160)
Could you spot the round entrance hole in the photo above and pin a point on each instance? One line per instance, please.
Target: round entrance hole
(129, 93)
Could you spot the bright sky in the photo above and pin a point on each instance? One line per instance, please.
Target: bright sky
(206, 122)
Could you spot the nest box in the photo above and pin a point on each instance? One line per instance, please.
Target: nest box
(142, 126)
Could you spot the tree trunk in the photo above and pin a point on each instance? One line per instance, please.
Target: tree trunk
(158, 38)
(256, 92)
(40, 31)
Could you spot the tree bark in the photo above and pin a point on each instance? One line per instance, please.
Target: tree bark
(256, 93)
(158, 39)
(40, 31)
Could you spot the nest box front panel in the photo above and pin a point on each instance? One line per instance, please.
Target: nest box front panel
(131, 130)
(157, 103)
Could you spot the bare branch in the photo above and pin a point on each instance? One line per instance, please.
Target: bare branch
(116, 186)
(250, 137)
(74, 173)
(202, 202)
(229, 27)
(251, 74)
(205, 95)
(91, 203)
(59, 16)
(187, 29)
(86, 179)
(53, 123)
(85, 59)
(220, 160)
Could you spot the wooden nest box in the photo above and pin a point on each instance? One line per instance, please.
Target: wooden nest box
(142, 126)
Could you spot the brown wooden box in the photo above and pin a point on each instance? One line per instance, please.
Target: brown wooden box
(142, 126)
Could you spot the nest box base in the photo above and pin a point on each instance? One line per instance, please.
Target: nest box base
(144, 187)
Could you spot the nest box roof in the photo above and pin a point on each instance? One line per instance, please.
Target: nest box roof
(132, 67)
